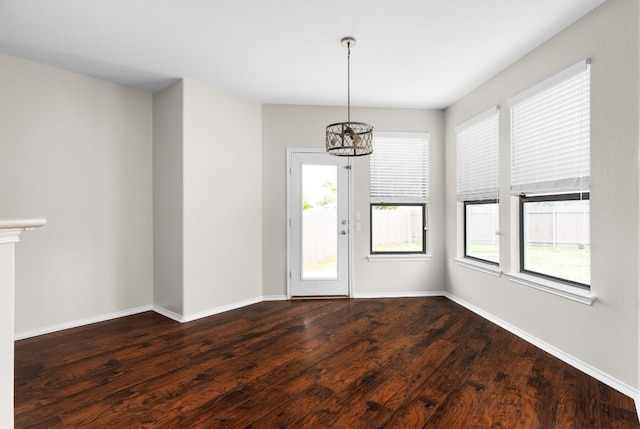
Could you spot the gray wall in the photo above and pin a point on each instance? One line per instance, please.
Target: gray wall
(222, 201)
(304, 127)
(605, 335)
(168, 197)
(207, 203)
(76, 151)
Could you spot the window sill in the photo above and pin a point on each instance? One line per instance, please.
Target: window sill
(555, 288)
(494, 270)
(397, 258)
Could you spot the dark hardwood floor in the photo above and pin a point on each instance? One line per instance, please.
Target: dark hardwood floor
(392, 363)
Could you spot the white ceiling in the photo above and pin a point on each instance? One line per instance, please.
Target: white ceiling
(409, 53)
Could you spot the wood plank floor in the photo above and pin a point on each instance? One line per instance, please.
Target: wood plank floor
(383, 363)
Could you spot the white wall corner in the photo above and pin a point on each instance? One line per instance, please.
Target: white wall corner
(168, 313)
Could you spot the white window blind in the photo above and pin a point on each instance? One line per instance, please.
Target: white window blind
(550, 134)
(477, 144)
(399, 168)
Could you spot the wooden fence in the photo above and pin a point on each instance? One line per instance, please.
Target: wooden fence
(320, 231)
(319, 234)
(560, 227)
(564, 226)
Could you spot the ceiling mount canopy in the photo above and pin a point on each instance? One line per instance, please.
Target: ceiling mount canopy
(349, 138)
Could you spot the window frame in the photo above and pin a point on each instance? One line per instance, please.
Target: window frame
(423, 207)
(464, 217)
(523, 199)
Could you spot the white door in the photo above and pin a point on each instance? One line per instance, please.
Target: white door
(318, 224)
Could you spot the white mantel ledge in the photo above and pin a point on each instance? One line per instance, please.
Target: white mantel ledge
(10, 229)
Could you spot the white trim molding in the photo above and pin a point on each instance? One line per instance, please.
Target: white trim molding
(565, 357)
(10, 229)
(155, 308)
(9, 236)
(168, 313)
(399, 257)
(582, 296)
(81, 322)
(269, 298)
(24, 224)
(220, 309)
(409, 294)
(494, 270)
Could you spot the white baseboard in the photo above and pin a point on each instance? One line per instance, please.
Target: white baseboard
(220, 309)
(168, 313)
(131, 311)
(567, 358)
(412, 294)
(275, 298)
(217, 310)
(80, 322)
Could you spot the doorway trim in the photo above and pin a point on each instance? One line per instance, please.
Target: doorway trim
(290, 152)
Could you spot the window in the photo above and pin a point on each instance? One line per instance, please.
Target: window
(550, 172)
(481, 239)
(477, 146)
(399, 193)
(399, 228)
(554, 240)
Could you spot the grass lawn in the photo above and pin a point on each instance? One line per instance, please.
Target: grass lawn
(569, 263)
(488, 252)
(327, 267)
(405, 246)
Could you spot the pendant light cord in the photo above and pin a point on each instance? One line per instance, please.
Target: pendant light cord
(348, 81)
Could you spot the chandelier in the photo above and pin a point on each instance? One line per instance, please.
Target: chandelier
(349, 138)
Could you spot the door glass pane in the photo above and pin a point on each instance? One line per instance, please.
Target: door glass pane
(319, 221)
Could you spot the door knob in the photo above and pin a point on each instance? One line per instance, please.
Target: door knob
(343, 232)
